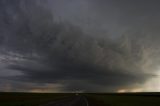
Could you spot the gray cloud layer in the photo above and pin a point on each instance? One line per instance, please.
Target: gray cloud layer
(48, 52)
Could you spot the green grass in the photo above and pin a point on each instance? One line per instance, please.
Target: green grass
(29, 99)
(36, 99)
(123, 100)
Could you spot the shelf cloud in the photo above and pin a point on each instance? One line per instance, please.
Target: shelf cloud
(50, 48)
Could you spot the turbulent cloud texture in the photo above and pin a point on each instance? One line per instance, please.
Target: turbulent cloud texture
(49, 55)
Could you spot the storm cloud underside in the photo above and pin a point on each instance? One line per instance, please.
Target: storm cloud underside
(44, 46)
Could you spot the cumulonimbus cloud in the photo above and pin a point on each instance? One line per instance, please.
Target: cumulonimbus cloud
(55, 52)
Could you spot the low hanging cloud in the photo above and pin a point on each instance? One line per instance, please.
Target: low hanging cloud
(48, 52)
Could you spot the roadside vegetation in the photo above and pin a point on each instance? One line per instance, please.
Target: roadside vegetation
(94, 99)
(29, 99)
(141, 99)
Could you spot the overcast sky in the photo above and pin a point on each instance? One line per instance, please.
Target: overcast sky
(79, 45)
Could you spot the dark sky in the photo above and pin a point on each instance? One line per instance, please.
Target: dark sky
(79, 45)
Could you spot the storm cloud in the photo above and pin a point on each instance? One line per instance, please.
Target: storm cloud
(46, 53)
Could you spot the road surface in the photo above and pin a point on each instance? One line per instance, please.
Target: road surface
(72, 101)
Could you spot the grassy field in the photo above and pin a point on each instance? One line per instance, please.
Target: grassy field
(138, 99)
(94, 99)
(29, 99)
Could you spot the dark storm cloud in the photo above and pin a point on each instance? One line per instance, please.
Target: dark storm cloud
(45, 51)
(108, 17)
(130, 13)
